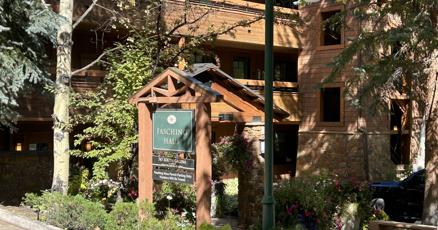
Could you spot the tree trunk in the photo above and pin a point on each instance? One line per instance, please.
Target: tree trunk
(61, 157)
(430, 207)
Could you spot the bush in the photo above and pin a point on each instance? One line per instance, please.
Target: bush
(180, 198)
(227, 197)
(318, 202)
(70, 212)
(75, 212)
(124, 216)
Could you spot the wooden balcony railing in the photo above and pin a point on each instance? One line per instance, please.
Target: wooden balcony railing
(285, 94)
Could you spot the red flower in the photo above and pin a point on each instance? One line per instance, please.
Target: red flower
(307, 213)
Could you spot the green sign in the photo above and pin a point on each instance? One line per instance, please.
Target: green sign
(173, 130)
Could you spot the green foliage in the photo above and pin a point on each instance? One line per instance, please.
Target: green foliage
(25, 28)
(234, 151)
(395, 47)
(227, 197)
(149, 47)
(78, 181)
(124, 216)
(180, 198)
(111, 120)
(317, 202)
(75, 212)
(70, 212)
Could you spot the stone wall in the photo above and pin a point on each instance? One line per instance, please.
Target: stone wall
(22, 172)
(337, 153)
(251, 181)
(343, 154)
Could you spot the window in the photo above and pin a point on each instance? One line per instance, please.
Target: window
(241, 68)
(285, 71)
(400, 135)
(4, 139)
(331, 28)
(285, 144)
(330, 104)
(202, 58)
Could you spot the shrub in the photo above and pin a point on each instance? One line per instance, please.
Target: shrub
(317, 202)
(70, 212)
(124, 216)
(180, 198)
(227, 197)
(75, 212)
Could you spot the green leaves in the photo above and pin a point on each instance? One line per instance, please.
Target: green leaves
(396, 42)
(25, 28)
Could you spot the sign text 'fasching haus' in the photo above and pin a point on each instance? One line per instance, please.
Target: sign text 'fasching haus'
(173, 130)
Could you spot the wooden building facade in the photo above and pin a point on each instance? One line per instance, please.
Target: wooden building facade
(321, 129)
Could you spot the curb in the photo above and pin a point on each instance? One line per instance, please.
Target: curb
(23, 222)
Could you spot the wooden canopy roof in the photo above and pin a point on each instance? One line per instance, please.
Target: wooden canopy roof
(206, 83)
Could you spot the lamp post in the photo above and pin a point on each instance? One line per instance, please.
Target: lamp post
(268, 198)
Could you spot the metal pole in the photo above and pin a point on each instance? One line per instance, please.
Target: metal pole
(268, 198)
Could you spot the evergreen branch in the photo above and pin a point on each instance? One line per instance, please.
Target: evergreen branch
(95, 60)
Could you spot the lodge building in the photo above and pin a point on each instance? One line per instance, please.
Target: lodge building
(316, 127)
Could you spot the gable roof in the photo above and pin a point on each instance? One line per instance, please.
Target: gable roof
(199, 78)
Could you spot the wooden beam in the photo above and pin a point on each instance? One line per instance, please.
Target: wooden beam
(179, 91)
(163, 92)
(182, 99)
(233, 100)
(145, 181)
(203, 164)
(171, 84)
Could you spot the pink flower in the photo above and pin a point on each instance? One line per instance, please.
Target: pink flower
(291, 209)
(338, 223)
(307, 213)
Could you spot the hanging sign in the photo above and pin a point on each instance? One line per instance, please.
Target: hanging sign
(173, 130)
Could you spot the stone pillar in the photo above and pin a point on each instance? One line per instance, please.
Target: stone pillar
(251, 179)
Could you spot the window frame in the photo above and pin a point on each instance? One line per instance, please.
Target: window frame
(247, 69)
(286, 62)
(321, 45)
(319, 114)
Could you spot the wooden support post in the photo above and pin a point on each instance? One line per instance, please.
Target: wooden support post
(203, 163)
(145, 181)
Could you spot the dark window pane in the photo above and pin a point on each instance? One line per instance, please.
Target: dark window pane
(331, 104)
(285, 144)
(285, 71)
(331, 34)
(241, 68)
(4, 138)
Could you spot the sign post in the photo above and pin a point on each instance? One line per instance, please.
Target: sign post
(172, 134)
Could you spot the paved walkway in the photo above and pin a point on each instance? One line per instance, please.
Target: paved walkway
(219, 222)
(8, 226)
(21, 218)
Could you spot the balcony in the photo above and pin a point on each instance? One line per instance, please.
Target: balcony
(285, 96)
